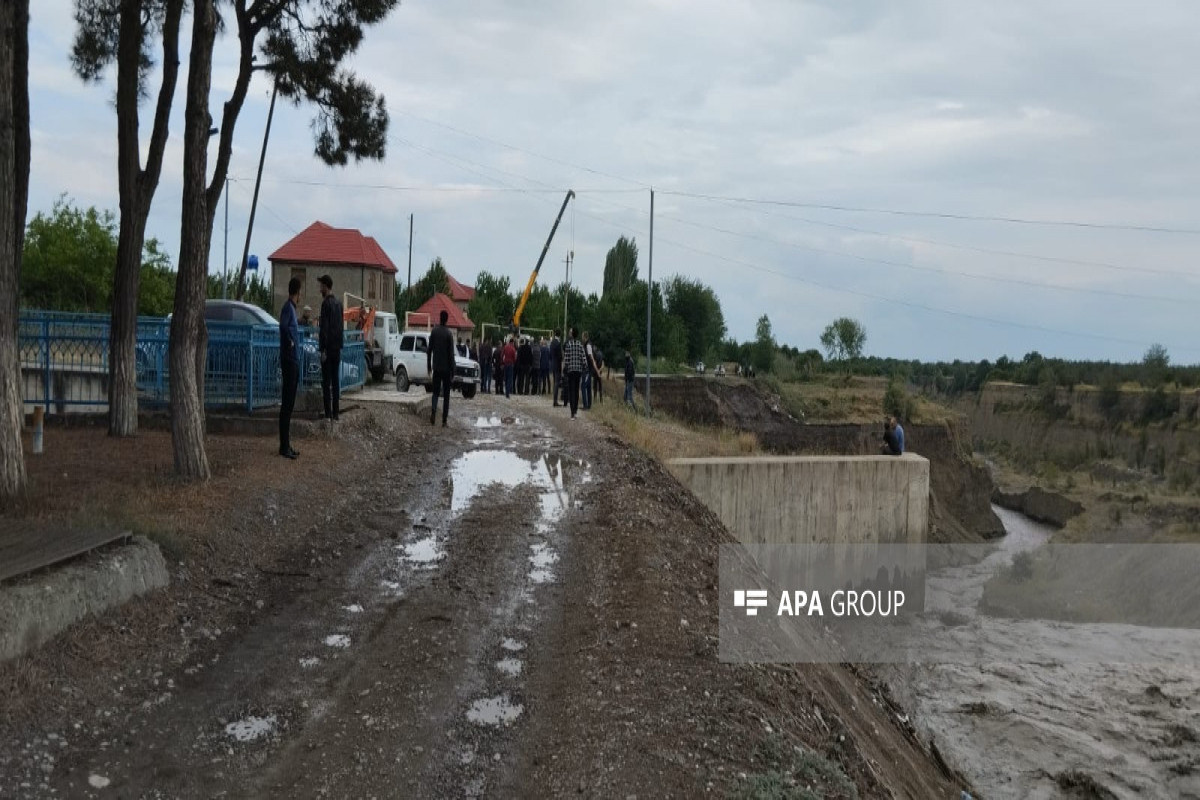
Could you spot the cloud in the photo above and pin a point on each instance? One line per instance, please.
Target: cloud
(1081, 111)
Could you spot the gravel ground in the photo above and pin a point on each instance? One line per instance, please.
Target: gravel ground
(518, 605)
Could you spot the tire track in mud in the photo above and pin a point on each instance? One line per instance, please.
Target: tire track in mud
(400, 673)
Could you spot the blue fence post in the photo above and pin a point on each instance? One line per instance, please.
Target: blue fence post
(250, 373)
(46, 364)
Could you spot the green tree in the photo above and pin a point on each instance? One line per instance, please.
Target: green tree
(1155, 363)
(305, 45)
(435, 281)
(620, 267)
(844, 339)
(493, 301)
(762, 355)
(122, 31)
(699, 312)
(70, 255)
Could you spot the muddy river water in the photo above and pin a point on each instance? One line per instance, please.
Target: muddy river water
(1051, 726)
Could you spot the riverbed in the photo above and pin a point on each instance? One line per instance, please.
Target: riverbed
(1048, 727)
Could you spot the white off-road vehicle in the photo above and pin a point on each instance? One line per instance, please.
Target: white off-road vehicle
(412, 365)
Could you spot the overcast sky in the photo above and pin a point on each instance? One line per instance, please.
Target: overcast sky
(1083, 111)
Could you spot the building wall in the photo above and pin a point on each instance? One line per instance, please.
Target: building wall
(356, 280)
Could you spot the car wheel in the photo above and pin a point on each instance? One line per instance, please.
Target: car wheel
(468, 390)
(378, 372)
(401, 379)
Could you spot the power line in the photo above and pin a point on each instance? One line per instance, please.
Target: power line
(749, 265)
(433, 189)
(522, 150)
(915, 267)
(267, 208)
(940, 214)
(976, 249)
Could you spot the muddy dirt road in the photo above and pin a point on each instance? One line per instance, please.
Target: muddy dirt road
(525, 608)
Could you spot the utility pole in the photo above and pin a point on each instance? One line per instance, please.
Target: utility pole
(225, 271)
(408, 286)
(567, 288)
(649, 299)
(262, 157)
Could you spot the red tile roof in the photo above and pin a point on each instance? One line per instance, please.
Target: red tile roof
(459, 292)
(435, 305)
(323, 244)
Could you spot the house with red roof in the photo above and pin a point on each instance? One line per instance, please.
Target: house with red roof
(460, 293)
(356, 263)
(457, 318)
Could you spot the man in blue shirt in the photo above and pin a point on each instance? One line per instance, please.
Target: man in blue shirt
(899, 430)
(289, 366)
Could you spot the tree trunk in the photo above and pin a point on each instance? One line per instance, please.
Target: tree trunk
(14, 195)
(122, 340)
(137, 187)
(189, 335)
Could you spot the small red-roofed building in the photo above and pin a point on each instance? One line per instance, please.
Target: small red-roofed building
(356, 263)
(457, 317)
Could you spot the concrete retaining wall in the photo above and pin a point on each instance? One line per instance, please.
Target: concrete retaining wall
(35, 609)
(814, 499)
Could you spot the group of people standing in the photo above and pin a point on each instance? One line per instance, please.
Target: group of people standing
(330, 339)
(571, 371)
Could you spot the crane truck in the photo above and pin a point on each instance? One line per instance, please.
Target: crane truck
(515, 323)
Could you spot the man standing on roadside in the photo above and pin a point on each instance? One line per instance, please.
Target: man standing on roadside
(556, 356)
(509, 359)
(330, 340)
(629, 375)
(439, 361)
(574, 364)
(289, 366)
(485, 365)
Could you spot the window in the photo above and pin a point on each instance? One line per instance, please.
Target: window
(422, 344)
(391, 326)
(406, 344)
(372, 282)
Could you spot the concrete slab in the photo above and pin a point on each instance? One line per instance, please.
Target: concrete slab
(386, 393)
(37, 607)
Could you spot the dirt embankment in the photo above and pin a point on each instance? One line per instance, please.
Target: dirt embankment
(961, 490)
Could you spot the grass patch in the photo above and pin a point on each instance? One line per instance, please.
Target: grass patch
(663, 437)
(849, 399)
(794, 774)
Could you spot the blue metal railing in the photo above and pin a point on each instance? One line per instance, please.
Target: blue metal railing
(64, 362)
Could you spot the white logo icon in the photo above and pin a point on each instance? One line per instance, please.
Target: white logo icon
(753, 600)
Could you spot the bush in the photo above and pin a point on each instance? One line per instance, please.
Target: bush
(896, 400)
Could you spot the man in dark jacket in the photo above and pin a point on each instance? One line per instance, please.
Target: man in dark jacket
(629, 376)
(330, 341)
(524, 365)
(556, 363)
(289, 366)
(439, 360)
(485, 365)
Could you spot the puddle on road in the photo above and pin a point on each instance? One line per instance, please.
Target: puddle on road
(512, 645)
(553, 475)
(338, 640)
(542, 558)
(423, 552)
(250, 728)
(354, 608)
(391, 589)
(510, 666)
(494, 711)
(309, 662)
